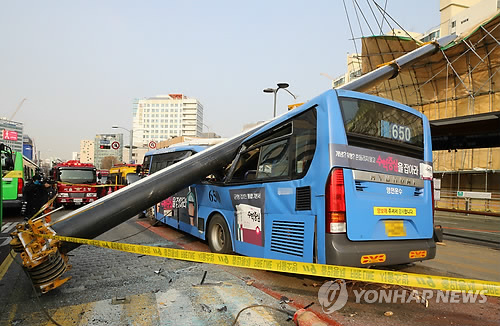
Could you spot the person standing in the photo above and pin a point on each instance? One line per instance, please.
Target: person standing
(36, 194)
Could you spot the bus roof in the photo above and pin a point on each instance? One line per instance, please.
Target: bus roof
(332, 93)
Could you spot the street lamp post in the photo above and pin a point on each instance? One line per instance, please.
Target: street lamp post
(131, 138)
(208, 128)
(275, 90)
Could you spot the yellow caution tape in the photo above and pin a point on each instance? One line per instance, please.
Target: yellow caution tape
(44, 207)
(330, 271)
(88, 185)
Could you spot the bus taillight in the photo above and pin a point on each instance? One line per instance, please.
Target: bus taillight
(20, 185)
(335, 202)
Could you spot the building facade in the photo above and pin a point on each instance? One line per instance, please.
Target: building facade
(353, 71)
(138, 154)
(28, 148)
(166, 116)
(12, 134)
(457, 85)
(107, 145)
(87, 151)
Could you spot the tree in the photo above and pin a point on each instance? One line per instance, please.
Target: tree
(108, 161)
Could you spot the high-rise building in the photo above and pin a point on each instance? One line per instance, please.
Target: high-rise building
(12, 134)
(87, 151)
(28, 148)
(165, 116)
(107, 145)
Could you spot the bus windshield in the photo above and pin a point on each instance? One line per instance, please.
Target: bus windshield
(132, 177)
(382, 127)
(77, 176)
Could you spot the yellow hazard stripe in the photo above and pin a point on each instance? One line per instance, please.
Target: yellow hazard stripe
(14, 174)
(6, 264)
(331, 271)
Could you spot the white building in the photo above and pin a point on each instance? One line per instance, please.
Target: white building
(12, 134)
(353, 71)
(87, 151)
(137, 154)
(460, 16)
(165, 116)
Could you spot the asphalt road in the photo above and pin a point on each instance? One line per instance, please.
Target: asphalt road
(158, 291)
(474, 228)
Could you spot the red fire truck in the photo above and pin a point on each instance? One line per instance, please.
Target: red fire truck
(75, 183)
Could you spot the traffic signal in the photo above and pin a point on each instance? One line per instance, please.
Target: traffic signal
(105, 147)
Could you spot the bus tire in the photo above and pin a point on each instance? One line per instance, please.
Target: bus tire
(219, 238)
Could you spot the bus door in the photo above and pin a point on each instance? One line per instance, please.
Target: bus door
(387, 196)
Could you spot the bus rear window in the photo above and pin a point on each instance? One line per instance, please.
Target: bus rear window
(5, 166)
(162, 161)
(382, 127)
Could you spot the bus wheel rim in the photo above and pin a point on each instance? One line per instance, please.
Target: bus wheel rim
(219, 236)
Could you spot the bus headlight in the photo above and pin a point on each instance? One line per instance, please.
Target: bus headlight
(92, 194)
(63, 194)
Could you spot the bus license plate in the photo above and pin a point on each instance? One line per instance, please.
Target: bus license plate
(394, 211)
(395, 228)
(77, 200)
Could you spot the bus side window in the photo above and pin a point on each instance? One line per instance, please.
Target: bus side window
(305, 142)
(273, 160)
(247, 163)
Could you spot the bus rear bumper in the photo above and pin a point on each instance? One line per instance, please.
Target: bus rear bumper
(341, 251)
(15, 203)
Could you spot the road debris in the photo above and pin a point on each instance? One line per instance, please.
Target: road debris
(284, 299)
(205, 308)
(120, 300)
(203, 278)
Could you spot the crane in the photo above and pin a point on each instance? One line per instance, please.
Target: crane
(17, 109)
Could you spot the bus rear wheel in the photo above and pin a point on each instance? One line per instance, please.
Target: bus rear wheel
(219, 238)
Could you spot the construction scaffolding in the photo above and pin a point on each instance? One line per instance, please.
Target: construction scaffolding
(460, 80)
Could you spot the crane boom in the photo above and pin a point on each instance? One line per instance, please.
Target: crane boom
(17, 109)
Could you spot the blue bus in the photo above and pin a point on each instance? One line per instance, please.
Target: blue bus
(345, 179)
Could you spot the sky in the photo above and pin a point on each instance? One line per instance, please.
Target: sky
(80, 64)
